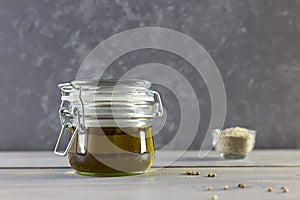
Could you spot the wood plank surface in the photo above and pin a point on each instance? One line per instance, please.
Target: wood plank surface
(42, 175)
(169, 183)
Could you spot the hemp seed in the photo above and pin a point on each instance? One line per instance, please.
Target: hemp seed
(188, 172)
(285, 190)
(225, 187)
(209, 188)
(212, 175)
(214, 197)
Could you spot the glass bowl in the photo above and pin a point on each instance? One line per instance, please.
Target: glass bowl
(233, 143)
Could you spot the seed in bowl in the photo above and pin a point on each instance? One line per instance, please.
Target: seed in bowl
(234, 142)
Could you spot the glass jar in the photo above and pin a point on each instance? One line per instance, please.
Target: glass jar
(110, 125)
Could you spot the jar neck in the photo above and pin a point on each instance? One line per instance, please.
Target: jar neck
(140, 122)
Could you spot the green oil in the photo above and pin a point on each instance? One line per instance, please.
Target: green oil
(113, 151)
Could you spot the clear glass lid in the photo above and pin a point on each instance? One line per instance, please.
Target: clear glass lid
(112, 98)
(111, 83)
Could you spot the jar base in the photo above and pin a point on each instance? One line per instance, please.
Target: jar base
(113, 174)
(233, 156)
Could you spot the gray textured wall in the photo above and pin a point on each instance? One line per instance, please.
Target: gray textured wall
(256, 45)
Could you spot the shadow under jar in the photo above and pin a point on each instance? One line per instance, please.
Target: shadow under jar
(110, 126)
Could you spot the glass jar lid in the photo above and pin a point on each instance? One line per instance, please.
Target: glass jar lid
(112, 98)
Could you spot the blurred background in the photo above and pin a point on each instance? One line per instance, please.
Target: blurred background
(255, 44)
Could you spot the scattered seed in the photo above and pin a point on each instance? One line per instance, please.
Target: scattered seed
(241, 185)
(212, 175)
(270, 189)
(214, 197)
(189, 172)
(285, 190)
(209, 188)
(225, 187)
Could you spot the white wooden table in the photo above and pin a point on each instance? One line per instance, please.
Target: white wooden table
(42, 175)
